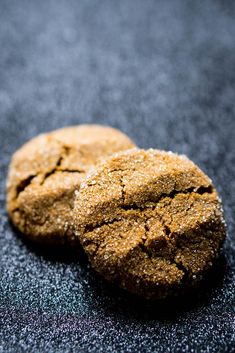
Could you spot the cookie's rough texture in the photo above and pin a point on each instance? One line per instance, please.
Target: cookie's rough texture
(150, 221)
(46, 171)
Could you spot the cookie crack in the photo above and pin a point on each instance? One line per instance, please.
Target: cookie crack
(58, 166)
(182, 268)
(142, 243)
(79, 171)
(90, 227)
(24, 183)
(171, 258)
(122, 188)
(167, 230)
(52, 171)
(27, 181)
(98, 246)
(200, 191)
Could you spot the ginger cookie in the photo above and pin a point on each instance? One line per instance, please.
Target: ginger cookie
(46, 171)
(150, 221)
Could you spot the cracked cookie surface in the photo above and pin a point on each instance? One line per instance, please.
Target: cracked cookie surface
(150, 221)
(45, 173)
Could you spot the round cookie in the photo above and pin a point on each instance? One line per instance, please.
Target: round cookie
(150, 221)
(45, 172)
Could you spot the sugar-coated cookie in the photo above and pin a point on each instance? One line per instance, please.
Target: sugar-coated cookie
(150, 221)
(46, 171)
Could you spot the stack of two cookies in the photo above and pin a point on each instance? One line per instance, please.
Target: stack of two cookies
(150, 221)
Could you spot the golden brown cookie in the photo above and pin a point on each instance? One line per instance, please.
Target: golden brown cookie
(45, 173)
(150, 221)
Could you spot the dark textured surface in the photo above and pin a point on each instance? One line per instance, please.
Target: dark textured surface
(161, 71)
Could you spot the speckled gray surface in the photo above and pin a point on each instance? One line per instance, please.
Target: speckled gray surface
(161, 71)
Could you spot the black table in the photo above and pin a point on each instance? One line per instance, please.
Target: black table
(164, 73)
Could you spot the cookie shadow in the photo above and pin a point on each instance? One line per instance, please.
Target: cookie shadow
(63, 253)
(122, 304)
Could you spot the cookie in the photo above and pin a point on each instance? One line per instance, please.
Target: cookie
(150, 221)
(46, 171)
